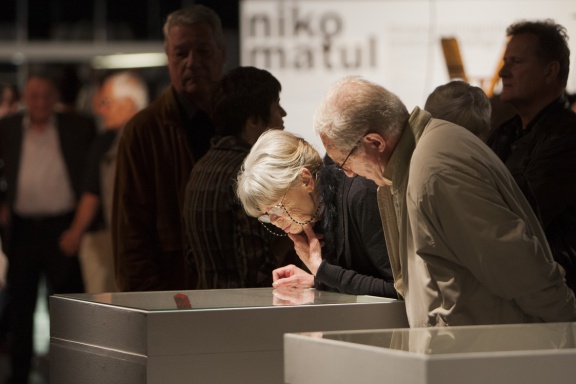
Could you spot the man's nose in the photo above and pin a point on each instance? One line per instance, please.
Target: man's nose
(349, 173)
(191, 59)
(504, 71)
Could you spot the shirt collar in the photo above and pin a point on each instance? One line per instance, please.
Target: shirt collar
(28, 125)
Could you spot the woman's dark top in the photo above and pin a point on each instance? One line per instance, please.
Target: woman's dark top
(355, 256)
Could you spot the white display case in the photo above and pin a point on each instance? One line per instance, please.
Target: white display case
(204, 336)
(497, 354)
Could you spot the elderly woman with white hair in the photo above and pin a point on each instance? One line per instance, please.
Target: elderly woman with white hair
(284, 183)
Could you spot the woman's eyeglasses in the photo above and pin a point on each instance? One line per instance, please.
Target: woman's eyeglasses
(279, 209)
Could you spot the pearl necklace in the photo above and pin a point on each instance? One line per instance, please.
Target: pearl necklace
(296, 221)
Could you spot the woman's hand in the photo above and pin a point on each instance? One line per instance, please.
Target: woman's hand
(292, 296)
(308, 247)
(291, 276)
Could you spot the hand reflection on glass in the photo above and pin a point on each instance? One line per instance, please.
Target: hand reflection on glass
(292, 296)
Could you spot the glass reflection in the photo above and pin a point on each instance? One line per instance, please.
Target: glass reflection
(470, 339)
(222, 298)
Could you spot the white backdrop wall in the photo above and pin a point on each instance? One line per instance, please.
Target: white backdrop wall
(308, 44)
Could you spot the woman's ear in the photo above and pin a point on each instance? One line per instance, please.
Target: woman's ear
(307, 180)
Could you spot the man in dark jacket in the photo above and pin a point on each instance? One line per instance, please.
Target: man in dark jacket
(538, 145)
(156, 152)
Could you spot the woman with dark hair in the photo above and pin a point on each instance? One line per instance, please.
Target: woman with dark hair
(225, 247)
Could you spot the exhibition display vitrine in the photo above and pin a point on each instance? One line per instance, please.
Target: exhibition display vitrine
(495, 354)
(203, 336)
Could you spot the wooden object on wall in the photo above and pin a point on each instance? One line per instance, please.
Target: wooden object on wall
(453, 58)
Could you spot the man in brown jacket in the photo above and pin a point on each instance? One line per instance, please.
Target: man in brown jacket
(156, 153)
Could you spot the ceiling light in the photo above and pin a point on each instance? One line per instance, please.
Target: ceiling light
(133, 60)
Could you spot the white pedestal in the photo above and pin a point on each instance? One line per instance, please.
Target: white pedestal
(228, 336)
(503, 354)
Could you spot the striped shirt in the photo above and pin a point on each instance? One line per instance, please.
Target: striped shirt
(228, 248)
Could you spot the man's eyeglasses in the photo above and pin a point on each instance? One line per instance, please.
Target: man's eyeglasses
(341, 166)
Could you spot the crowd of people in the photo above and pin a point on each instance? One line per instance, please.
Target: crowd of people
(467, 222)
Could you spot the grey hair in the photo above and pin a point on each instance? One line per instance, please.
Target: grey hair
(461, 103)
(192, 15)
(354, 107)
(274, 163)
(128, 85)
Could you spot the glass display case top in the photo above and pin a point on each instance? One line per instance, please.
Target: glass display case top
(222, 298)
(458, 340)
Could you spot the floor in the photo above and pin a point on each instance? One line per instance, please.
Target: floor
(41, 373)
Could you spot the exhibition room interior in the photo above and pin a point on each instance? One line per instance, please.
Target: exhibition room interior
(410, 46)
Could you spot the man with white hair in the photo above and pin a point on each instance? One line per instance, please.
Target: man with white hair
(119, 98)
(464, 244)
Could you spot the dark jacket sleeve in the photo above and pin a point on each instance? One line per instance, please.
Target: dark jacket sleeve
(542, 172)
(539, 160)
(134, 206)
(76, 133)
(152, 167)
(364, 268)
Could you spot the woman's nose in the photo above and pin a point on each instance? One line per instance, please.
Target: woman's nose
(275, 219)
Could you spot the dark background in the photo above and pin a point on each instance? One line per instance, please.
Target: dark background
(100, 25)
(81, 19)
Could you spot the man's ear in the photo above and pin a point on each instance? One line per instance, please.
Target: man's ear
(551, 71)
(374, 142)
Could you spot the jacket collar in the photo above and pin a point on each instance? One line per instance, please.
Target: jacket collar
(232, 143)
(400, 159)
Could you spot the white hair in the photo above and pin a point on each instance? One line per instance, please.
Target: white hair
(195, 14)
(274, 163)
(354, 107)
(127, 85)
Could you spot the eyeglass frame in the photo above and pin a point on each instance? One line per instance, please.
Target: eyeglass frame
(266, 215)
(341, 166)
